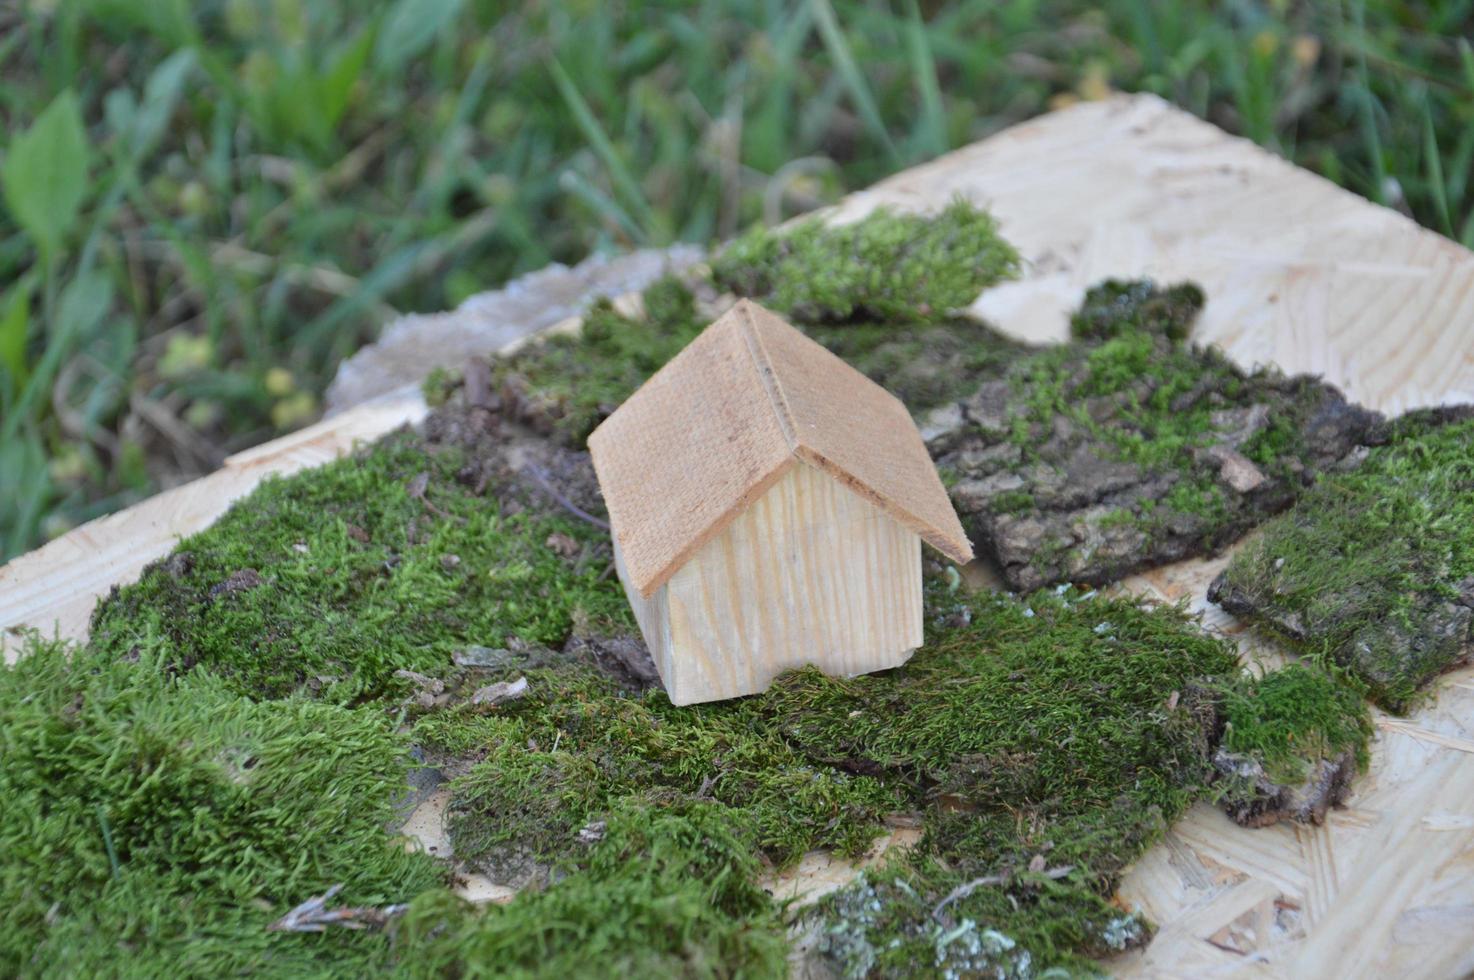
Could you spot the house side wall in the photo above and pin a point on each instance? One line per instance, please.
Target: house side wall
(810, 573)
(650, 613)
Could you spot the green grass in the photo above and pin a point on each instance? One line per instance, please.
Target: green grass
(207, 205)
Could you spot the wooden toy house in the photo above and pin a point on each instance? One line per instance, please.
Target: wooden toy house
(768, 504)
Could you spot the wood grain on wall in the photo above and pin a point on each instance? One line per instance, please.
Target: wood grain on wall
(810, 573)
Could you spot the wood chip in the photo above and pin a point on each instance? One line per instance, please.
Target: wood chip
(499, 693)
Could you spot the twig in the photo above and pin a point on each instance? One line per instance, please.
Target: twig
(537, 474)
(477, 382)
(175, 430)
(417, 491)
(966, 889)
(313, 915)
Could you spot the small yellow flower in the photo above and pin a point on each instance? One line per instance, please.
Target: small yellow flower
(294, 410)
(186, 354)
(1095, 83)
(279, 382)
(1306, 50)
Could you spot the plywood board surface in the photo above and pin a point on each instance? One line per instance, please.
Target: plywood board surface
(1300, 274)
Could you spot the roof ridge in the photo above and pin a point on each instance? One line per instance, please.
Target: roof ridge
(763, 362)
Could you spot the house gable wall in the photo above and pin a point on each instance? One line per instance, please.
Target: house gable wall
(810, 573)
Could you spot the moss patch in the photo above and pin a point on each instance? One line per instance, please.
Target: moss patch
(887, 266)
(1046, 749)
(390, 559)
(1295, 717)
(1118, 306)
(1089, 460)
(1374, 568)
(151, 818)
(1042, 745)
(665, 892)
(1290, 744)
(873, 305)
(924, 364)
(564, 386)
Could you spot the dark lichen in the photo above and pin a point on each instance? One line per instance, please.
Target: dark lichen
(1089, 460)
(890, 267)
(1119, 305)
(1374, 567)
(925, 364)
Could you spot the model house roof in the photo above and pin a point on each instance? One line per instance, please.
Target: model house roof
(717, 426)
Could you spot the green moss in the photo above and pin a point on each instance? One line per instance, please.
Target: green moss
(1374, 568)
(887, 266)
(153, 818)
(438, 386)
(1121, 305)
(1039, 727)
(924, 364)
(1295, 717)
(576, 746)
(1142, 398)
(566, 385)
(882, 290)
(231, 729)
(669, 891)
(329, 582)
(1024, 731)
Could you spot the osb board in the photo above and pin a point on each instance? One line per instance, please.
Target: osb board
(1298, 273)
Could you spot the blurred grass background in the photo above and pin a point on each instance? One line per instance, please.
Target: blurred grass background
(208, 204)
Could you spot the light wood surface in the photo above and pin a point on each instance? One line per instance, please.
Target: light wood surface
(811, 573)
(1299, 273)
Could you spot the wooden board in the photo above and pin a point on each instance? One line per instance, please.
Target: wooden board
(1298, 273)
